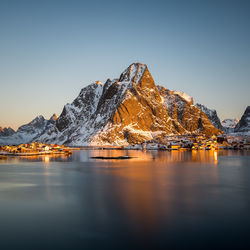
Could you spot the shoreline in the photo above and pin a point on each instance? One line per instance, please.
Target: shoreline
(4, 155)
(34, 154)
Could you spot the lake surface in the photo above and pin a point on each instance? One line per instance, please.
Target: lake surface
(157, 200)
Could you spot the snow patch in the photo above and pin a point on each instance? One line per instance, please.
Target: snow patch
(184, 96)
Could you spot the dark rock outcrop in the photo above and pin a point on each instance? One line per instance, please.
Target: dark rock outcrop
(212, 115)
(243, 125)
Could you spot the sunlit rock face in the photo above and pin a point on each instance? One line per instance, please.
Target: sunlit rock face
(28, 132)
(186, 117)
(138, 113)
(127, 110)
(243, 125)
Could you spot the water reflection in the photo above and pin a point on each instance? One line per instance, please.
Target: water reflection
(157, 200)
(36, 158)
(199, 156)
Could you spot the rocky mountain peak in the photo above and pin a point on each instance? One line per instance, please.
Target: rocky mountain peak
(54, 117)
(247, 111)
(211, 114)
(127, 110)
(38, 119)
(98, 82)
(133, 73)
(28, 132)
(244, 123)
(6, 131)
(229, 123)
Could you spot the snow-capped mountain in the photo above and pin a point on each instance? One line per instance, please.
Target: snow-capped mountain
(212, 115)
(6, 131)
(127, 110)
(243, 125)
(185, 116)
(28, 132)
(229, 124)
(185, 96)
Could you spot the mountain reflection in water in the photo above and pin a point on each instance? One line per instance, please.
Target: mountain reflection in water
(156, 200)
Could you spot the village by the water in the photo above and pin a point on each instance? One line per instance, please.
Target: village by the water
(190, 142)
(34, 148)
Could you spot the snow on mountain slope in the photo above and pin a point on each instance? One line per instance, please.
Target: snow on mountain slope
(243, 125)
(229, 125)
(6, 131)
(28, 132)
(185, 96)
(105, 111)
(122, 111)
(212, 115)
(187, 118)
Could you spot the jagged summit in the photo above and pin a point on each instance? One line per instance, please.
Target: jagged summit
(243, 125)
(37, 120)
(230, 123)
(54, 117)
(127, 110)
(212, 115)
(28, 132)
(98, 82)
(133, 73)
(6, 131)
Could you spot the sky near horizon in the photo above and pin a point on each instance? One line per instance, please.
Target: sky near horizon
(49, 50)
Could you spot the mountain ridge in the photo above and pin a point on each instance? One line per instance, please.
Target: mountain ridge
(130, 109)
(28, 132)
(127, 110)
(243, 126)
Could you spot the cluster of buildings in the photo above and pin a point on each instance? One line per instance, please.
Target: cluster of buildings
(190, 142)
(196, 143)
(34, 148)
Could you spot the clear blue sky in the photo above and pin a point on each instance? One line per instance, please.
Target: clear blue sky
(49, 50)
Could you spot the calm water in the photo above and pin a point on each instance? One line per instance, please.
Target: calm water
(158, 200)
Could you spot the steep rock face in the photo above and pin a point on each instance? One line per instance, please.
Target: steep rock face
(6, 131)
(53, 118)
(38, 124)
(187, 117)
(28, 132)
(76, 118)
(229, 125)
(140, 113)
(243, 125)
(212, 115)
(123, 111)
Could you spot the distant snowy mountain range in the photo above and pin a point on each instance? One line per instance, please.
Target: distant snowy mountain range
(28, 132)
(229, 125)
(128, 110)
